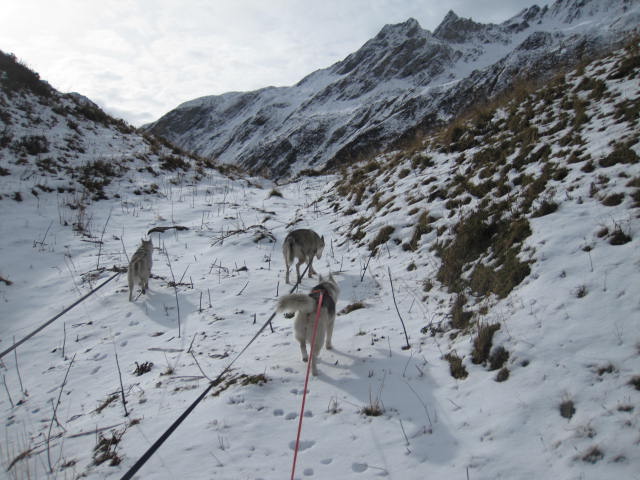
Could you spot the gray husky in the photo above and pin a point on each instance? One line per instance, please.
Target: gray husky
(306, 306)
(140, 267)
(302, 244)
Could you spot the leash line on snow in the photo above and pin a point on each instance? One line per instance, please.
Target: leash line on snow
(306, 382)
(158, 443)
(49, 322)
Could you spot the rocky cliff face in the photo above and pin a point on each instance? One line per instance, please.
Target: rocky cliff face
(403, 80)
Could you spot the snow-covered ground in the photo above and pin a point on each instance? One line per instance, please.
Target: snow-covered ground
(563, 348)
(568, 409)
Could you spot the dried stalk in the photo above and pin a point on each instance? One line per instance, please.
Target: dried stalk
(407, 346)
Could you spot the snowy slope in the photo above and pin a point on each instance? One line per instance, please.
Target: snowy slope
(570, 325)
(406, 79)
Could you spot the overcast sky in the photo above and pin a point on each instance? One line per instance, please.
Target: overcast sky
(138, 59)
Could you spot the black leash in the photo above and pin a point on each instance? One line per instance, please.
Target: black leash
(156, 445)
(49, 322)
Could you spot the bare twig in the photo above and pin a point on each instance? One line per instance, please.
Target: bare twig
(185, 272)
(175, 288)
(407, 346)
(124, 249)
(64, 337)
(124, 400)
(7, 389)
(199, 367)
(240, 292)
(424, 405)
(406, 439)
(15, 353)
(191, 344)
(41, 242)
(55, 411)
(100, 242)
(365, 267)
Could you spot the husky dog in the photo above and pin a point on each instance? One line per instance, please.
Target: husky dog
(306, 306)
(302, 244)
(140, 267)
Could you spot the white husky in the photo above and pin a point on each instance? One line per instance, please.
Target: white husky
(302, 244)
(140, 267)
(306, 306)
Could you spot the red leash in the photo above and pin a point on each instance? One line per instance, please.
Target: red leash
(306, 382)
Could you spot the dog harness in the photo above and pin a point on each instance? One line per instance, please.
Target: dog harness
(327, 300)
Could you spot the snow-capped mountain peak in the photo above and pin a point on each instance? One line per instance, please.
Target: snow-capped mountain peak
(403, 80)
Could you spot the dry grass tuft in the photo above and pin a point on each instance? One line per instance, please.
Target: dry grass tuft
(482, 342)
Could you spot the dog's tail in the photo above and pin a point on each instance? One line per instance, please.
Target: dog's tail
(297, 302)
(287, 249)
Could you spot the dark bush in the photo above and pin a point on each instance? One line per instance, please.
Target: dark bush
(498, 358)
(567, 409)
(383, 237)
(18, 77)
(456, 368)
(618, 237)
(503, 375)
(33, 144)
(620, 154)
(546, 207)
(613, 199)
(483, 341)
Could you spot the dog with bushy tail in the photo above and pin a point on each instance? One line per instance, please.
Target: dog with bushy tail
(305, 307)
(140, 267)
(303, 244)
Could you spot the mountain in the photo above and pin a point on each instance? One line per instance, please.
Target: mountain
(402, 81)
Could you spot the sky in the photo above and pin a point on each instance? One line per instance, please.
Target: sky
(138, 59)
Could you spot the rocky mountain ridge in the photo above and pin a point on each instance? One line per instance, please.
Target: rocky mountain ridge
(405, 79)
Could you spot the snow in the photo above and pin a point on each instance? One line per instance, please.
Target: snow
(571, 329)
(432, 423)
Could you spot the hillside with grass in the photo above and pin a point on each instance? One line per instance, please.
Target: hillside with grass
(487, 319)
(65, 144)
